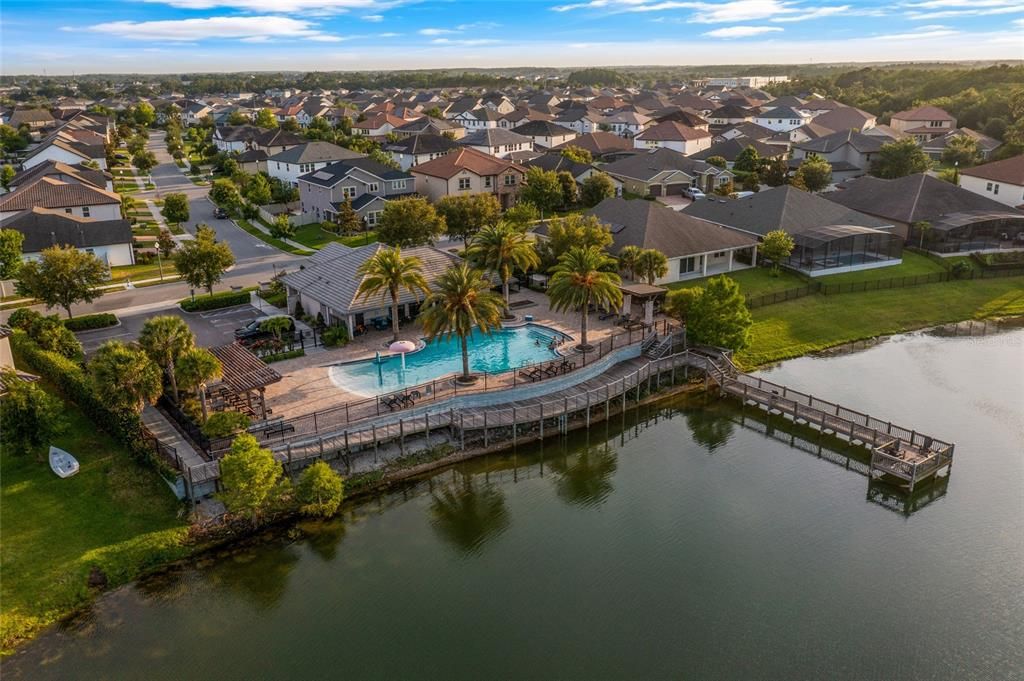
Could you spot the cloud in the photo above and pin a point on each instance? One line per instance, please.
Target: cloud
(816, 13)
(704, 12)
(320, 7)
(388, 35)
(436, 31)
(249, 29)
(464, 43)
(741, 31)
(922, 33)
(373, 17)
(931, 15)
(478, 26)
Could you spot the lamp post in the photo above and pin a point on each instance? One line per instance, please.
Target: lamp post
(956, 173)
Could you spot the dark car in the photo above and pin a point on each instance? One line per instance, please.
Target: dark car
(254, 330)
(220, 213)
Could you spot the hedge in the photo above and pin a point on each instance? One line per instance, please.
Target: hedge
(91, 321)
(216, 301)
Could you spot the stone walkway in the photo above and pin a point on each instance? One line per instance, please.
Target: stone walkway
(161, 428)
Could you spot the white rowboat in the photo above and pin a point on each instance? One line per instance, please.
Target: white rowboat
(62, 463)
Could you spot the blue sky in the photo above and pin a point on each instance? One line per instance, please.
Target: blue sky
(161, 36)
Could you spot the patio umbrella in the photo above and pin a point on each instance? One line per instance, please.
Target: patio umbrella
(402, 346)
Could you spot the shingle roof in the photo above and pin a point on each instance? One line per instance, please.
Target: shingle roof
(731, 149)
(333, 277)
(427, 143)
(315, 152)
(59, 170)
(923, 113)
(1009, 170)
(829, 143)
(731, 111)
(556, 162)
(44, 228)
(47, 192)
(599, 143)
(844, 118)
(672, 131)
(332, 173)
(786, 207)
(25, 116)
(910, 199)
(467, 158)
(494, 137)
(985, 143)
(542, 129)
(781, 112)
(644, 166)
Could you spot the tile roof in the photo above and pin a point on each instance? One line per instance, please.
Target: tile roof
(1009, 170)
(672, 131)
(46, 192)
(910, 199)
(599, 143)
(467, 158)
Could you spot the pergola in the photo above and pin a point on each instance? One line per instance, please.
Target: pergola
(243, 373)
(643, 293)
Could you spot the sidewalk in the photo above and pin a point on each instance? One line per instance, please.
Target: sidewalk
(168, 435)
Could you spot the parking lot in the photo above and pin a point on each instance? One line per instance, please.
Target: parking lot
(210, 328)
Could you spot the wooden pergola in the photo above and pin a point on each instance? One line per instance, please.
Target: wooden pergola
(641, 292)
(243, 373)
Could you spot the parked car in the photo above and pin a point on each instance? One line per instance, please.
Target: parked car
(220, 213)
(740, 195)
(693, 193)
(254, 329)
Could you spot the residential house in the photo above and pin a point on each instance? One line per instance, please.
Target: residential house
(378, 125)
(545, 134)
(288, 165)
(478, 119)
(625, 123)
(499, 103)
(850, 153)
(522, 115)
(846, 118)
(73, 198)
(68, 146)
(239, 138)
(730, 114)
(937, 145)
(33, 119)
(425, 125)
(193, 114)
(731, 149)
(363, 181)
(750, 131)
(829, 238)
(110, 240)
(1001, 181)
(63, 172)
(461, 106)
(681, 115)
(311, 111)
(663, 172)
(420, 148)
(468, 171)
(781, 119)
(581, 120)
(556, 162)
(603, 146)
(497, 142)
(673, 135)
(923, 123)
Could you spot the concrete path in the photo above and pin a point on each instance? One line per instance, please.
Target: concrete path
(162, 429)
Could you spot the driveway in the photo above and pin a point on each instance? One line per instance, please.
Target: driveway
(675, 201)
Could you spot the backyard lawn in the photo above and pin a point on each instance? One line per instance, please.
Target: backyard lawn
(818, 322)
(312, 236)
(260, 234)
(115, 515)
(754, 282)
(913, 264)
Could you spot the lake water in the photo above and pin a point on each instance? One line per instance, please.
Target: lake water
(679, 542)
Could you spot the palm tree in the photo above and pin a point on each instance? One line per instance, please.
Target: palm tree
(195, 369)
(461, 302)
(651, 265)
(388, 272)
(580, 278)
(501, 248)
(123, 376)
(165, 339)
(628, 257)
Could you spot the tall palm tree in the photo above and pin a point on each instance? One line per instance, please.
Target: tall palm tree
(580, 278)
(628, 257)
(501, 248)
(165, 339)
(195, 369)
(651, 265)
(461, 301)
(388, 272)
(123, 376)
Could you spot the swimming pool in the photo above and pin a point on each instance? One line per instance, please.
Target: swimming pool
(504, 349)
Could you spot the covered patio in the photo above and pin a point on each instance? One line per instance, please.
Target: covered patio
(972, 231)
(645, 295)
(832, 249)
(243, 374)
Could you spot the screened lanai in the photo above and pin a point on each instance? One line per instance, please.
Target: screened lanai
(832, 249)
(972, 231)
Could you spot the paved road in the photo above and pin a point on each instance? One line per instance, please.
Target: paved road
(215, 327)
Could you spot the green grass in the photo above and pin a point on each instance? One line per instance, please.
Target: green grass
(312, 236)
(755, 281)
(817, 322)
(140, 272)
(913, 264)
(276, 243)
(116, 515)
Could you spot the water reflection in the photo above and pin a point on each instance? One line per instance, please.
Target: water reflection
(259, 574)
(710, 428)
(468, 513)
(584, 477)
(324, 537)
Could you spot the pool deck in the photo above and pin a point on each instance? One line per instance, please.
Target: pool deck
(307, 387)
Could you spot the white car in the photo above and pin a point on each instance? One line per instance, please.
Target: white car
(693, 193)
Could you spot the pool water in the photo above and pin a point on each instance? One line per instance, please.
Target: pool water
(502, 350)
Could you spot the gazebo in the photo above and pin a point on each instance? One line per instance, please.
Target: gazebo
(242, 374)
(642, 293)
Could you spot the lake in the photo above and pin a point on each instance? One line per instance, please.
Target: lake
(687, 540)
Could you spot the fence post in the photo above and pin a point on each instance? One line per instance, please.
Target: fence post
(542, 420)
(485, 430)
(462, 431)
(514, 428)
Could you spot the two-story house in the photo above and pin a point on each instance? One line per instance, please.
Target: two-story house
(849, 153)
(663, 172)
(625, 123)
(425, 125)
(378, 125)
(673, 135)
(545, 134)
(923, 123)
(468, 171)
(1001, 181)
(363, 181)
(240, 138)
(497, 142)
(416, 149)
(782, 118)
(72, 198)
(288, 165)
(730, 114)
(478, 119)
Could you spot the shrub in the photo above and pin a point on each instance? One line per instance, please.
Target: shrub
(959, 269)
(23, 318)
(335, 336)
(298, 313)
(320, 490)
(91, 321)
(225, 424)
(215, 302)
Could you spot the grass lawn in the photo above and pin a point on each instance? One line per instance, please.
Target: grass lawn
(755, 281)
(116, 515)
(145, 229)
(140, 272)
(818, 322)
(312, 236)
(260, 234)
(913, 264)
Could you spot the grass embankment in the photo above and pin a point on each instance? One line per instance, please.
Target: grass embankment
(818, 322)
(116, 515)
(263, 236)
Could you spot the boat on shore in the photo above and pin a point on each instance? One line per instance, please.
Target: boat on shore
(62, 463)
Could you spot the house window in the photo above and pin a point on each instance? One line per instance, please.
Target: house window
(463, 183)
(995, 190)
(373, 187)
(398, 184)
(510, 180)
(348, 192)
(278, 165)
(371, 218)
(488, 181)
(988, 187)
(934, 124)
(68, 210)
(85, 209)
(687, 265)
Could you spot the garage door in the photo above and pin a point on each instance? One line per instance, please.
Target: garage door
(655, 190)
(676, 189)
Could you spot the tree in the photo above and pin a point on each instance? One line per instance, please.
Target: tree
(501, 249)
(583, 276)
(31, 416)
(194, 369)
(679, 302)
(748, 161)
(12, 139)
(570, 192)
(348, 220)
(922, 227)
(777, 247)
(265, 118)
(144, 114)
(578, 154)
(899, 159)
(238, 118)
(774, 172)
(651, 264)
(388, 272)
(718, 162)
(282, 227)
(202, 261)
(814, 173)
(165, 339)
(144, 161)
(175, 208)
(583, 231)
(409, 222)
(961, 151)
(49, 333)
(251, 477)
(461, 301)
(320, 490)
(522, 215)
(542, 189)
(719, 316)
(596, 189)
(10, 255)
(257, 190)
(465, 215)
(136, 145)
(290, 125)
(124, 377)
(7, 174)
(62, 277)
(628, 258)
(165, 242)
(225, 193)
(751, 183)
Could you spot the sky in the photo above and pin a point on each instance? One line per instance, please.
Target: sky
(176, 36)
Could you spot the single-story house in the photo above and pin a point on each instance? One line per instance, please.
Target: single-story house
(556, 162)
(603, 146)
(937, 145)
(661, 172)
(730, 150)
(108, 240)
(849, 152)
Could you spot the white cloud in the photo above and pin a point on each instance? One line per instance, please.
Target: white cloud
(284, 6)
(931, 15)
(816, 13)
(478, 26)
(388, 35)
(939, 4)
(922, 33)
(704, 12)
(465, 43)
(436, 31)
(373, 17)
(741, 31)
(250, 29)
